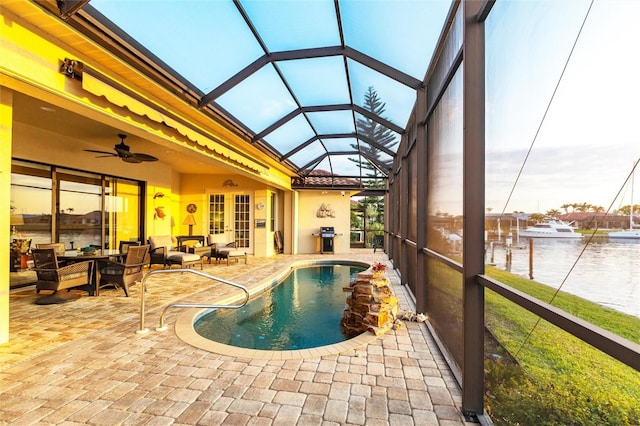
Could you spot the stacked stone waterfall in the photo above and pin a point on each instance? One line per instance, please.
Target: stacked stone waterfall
(372, 306)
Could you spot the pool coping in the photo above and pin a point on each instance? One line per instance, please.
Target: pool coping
(184, 326)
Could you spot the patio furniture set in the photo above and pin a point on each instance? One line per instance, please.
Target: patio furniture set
(191, 250)
(90, 271)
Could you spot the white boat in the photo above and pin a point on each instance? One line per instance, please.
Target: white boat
(551, 228)
(632, 234)
(629, 233)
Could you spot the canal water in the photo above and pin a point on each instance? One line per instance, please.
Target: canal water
(607, 272)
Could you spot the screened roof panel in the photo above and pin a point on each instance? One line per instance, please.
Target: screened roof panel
(398, 98)
(205, 41)
(401, 34)
(340, 144)
(290, 135)
(308, 154)
(332, 122)
(294, 72)
(317, 81)
(342, 165)
(258, 112)
(292, 25)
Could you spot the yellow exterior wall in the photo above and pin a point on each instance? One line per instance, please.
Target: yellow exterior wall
(6, 100)
(310, 202)
(196, 188)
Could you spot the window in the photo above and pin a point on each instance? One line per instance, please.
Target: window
(272, 212)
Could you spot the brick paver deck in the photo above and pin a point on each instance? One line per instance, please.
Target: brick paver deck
(83, 363)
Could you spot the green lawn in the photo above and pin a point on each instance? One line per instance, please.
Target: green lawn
(558, 379)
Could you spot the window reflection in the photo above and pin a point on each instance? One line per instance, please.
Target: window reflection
(445, 173)
(80, 218)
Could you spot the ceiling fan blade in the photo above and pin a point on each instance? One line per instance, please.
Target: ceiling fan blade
(124, 153)
(131, 159)
(101, 152)
(145, 157)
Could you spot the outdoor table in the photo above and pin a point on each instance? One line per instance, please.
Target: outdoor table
(97, 256)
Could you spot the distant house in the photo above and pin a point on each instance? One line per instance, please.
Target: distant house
(593, 220)
(581, 220)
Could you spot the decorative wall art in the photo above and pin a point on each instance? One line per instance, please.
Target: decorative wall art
(159, 210)
(325, 210)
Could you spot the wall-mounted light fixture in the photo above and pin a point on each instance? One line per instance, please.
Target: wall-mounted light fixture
(158, 195)
(229, 182)
(68, 7)
(72, 68)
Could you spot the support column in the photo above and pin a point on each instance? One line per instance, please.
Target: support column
(421, 203)
(473, 208)
(404, 221)
(6, 124)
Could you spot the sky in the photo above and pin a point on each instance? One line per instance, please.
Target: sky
(569, 132)
(585, 146)
(215, 43)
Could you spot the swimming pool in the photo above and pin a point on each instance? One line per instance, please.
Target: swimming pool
(303, 311)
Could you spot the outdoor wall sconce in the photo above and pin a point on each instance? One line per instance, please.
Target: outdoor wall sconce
(72, 68)
(69, 7)
(229, 182)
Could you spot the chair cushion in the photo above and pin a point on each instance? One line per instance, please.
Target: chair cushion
(178, 256)
(161, 241)
(218, 239)
(111, 270)
(231, 252)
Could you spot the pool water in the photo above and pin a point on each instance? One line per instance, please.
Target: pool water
(302, 312)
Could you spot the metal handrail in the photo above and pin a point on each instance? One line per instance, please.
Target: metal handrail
(162, 327)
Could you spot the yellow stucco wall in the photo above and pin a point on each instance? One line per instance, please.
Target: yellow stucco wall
(5, 190)
(336, 213)
(196, 188)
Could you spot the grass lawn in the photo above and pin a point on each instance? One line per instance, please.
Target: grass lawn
(557, 379)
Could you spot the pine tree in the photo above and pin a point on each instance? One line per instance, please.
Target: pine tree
(373, 207)
(378, 133)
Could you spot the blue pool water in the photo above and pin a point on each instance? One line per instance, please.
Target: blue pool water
(304, 311)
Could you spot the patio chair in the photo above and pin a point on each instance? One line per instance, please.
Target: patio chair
(230, 251)
(123, 246)
(58, 247)
(163, 252)
(378, 242)
(54, 277)
(116, 274)
(194, 244)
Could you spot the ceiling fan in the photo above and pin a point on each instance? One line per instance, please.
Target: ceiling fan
(123, 152)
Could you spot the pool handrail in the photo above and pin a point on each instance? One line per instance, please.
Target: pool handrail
(162, 327)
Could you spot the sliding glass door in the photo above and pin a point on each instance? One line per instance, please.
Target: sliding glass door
(79, 209)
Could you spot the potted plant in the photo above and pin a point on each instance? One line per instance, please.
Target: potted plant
(378, 269)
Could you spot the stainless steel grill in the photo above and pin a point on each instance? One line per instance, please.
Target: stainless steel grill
(327, 234)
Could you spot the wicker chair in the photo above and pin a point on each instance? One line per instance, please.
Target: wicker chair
(58, 247)
(54, 277)
(123, 274)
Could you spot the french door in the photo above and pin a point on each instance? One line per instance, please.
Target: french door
(230, 219)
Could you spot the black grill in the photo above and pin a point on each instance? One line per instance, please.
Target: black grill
(327, 233)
